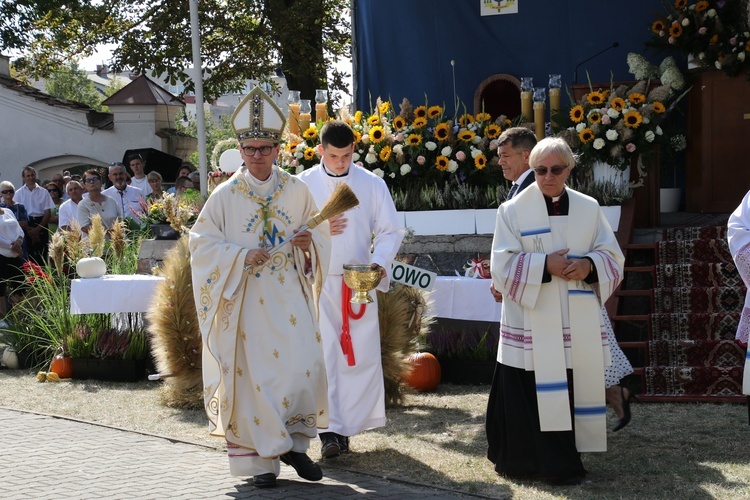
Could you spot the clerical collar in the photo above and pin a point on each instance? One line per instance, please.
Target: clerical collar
(331, 174)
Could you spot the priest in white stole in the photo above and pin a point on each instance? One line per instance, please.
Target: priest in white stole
(738, 237)
(263, 371)
(369, 234)
(555, 259)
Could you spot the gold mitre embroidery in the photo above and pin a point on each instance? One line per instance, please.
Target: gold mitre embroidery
(258, 118)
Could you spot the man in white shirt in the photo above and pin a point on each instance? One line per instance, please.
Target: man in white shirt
(129, 198)
(39, 205)
(69, 208)
(139, 179)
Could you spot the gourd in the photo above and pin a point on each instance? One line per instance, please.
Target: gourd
(425, 373)
(62, 364)
(10, 358)
(91, 267)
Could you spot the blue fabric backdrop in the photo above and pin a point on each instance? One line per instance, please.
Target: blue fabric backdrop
(404, 48)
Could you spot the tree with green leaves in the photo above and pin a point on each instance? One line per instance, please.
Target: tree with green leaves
(70, 83)
(240, 39)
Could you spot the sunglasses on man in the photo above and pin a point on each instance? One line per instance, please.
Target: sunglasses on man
(556, 170)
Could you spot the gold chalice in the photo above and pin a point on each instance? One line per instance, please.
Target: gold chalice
(361, 278)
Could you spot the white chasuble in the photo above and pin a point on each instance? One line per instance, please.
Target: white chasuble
(356, 393)
(548, 327)
(263, 373)
(738, 237)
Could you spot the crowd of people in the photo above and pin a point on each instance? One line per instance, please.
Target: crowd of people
(67, 201)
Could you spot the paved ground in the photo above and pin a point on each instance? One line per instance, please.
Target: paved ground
(46, 457)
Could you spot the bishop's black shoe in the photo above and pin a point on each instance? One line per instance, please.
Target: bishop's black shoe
(306, 468)
(267, 480)
(343, 443)
(330, 445)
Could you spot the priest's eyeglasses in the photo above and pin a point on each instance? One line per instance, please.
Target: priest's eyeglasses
(250, 151)
(556, 170)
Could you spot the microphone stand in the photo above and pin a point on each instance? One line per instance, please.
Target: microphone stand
(575, 72)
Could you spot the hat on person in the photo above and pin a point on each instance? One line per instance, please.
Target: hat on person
(258, 118)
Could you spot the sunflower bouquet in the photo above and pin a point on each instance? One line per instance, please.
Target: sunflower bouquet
(613, 125)
(416, 147)
(710, 32)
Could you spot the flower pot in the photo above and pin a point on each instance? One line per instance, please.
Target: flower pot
(164, 232)
(606, 172)
(485, 220)
(669, 199)
(612, 214)
(441, 222)
(114, 370)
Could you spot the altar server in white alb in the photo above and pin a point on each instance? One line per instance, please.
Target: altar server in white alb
(738, 236)
(555, 259)
(263, 370)
(369, 234)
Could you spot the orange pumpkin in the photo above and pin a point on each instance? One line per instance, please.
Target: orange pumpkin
(62, 364)
(425, 373)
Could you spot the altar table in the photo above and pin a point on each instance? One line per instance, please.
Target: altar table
(457, 297)
(113, 293)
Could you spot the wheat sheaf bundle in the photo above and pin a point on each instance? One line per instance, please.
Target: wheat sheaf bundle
(175, 335)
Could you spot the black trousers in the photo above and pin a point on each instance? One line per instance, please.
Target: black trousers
(38, 250)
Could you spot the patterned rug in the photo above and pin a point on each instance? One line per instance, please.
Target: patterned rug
(695, 233)
(699, 300)
(698, 274)
(695, 380)
(690, 353)
(691, 251)
(697, 326)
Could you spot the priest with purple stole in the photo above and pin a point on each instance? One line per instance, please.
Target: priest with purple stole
(263, 373)
(555, 260)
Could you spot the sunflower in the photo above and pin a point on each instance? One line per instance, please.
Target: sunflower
(576, 114)
(586, 135)
(442, 163)
(309, 153)
(659, 108)
(377, 134)
(480, 162)
(680, 4)
(492, 131)
(414, 139)
(658, 26)
(420, 112)
(442, 132)
(675, 30)
(384, 107)
(636, 98)
(701, 6)
(419, 122)
(595, 97)
(357, 136)
(358, 117)
(633, 119)
(373, 120)
(594, 116)
(291, 146)
(399, 123)
(385, 154)
(713, 40)
(483, 117)
(434, 111)
(618, 103)
(310, 133)
(465, 119)
(466, 135)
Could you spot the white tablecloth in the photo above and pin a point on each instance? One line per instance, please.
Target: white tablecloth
(463, 298)
(113, 293)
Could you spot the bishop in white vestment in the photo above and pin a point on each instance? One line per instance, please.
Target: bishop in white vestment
(263, 371)
(368, 234)
(555, 260)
